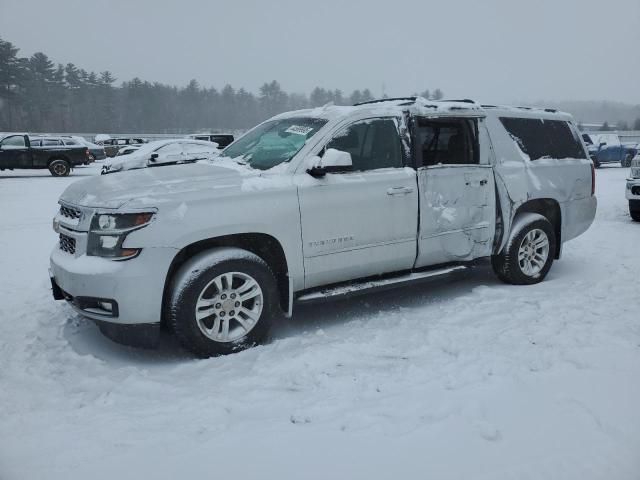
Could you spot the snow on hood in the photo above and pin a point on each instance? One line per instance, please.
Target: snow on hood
(156, 185)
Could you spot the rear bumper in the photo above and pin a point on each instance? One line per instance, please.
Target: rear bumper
(577, 216)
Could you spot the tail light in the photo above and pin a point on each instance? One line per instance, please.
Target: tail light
(593, 179)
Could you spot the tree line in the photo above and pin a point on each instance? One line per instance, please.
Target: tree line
(39, 96)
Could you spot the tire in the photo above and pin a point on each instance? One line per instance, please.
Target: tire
(204, 279)
(635, 214)
(596, 163)
(626, 162)
(528, 230)
(60, 168)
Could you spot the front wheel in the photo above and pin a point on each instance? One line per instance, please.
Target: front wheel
(223, 300)
(626, 162)
(528, 256)
(635, 214)
(60, 168)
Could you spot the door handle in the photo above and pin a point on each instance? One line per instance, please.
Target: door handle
(480, 183)
(399, 190)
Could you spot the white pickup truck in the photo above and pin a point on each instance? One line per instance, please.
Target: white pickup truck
(320, 203)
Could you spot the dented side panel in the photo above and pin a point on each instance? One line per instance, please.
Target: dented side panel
(457, 213)
(566, 181)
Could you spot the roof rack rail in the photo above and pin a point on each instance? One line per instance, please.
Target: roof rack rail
(380, 100)
(463, 100)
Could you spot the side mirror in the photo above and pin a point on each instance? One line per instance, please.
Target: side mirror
(154, 157)
(333, 161)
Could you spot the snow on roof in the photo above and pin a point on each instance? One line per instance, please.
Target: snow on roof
(422, 106)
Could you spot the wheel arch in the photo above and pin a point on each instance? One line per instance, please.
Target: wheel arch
(58, 157)
(263, 245)
(548, 208)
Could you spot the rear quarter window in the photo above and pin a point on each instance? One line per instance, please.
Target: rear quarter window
(540, 138)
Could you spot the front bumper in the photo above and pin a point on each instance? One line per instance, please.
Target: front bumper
(633, 189)
(111, 292)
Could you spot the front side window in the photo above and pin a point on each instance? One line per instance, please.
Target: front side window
(373, 144)
(197, 148)
(170, 149)
(274, 142)
(539, 138)
(14, 141)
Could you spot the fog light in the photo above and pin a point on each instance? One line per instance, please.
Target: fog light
(108, 241)
(106, 306)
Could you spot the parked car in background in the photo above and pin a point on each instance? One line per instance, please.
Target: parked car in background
(222, 139)
(113, 145)
(633, 188)
(127, 149)
(162, 152)
(605, 148)
(96, 152)
(317, 204)
(17, 152)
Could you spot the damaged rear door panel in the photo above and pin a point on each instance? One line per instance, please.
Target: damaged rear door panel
(457, 190)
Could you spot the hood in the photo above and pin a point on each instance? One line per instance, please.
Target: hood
(156, 185)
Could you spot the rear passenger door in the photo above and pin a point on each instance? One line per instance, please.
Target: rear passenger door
(457, 191)
(363, 222)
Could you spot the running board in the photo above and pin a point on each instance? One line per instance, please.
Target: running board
(379, 284)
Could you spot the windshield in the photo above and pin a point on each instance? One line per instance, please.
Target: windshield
(274, 142)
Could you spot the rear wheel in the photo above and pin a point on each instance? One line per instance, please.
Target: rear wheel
(626, 162)
(59, 168)
(223, 301)
(528, 256)
(635, 214)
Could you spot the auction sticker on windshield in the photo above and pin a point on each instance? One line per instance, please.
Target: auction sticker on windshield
(298, 130)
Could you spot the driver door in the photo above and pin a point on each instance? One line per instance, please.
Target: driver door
(14, 152)
(363, 222)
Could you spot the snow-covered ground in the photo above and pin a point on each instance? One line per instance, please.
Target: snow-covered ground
(468, 380)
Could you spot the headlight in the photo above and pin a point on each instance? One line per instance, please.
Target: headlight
(108, 232)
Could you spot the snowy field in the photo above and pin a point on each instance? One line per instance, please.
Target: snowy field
(468, 380)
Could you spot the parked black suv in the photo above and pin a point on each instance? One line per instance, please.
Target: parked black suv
(16, 151)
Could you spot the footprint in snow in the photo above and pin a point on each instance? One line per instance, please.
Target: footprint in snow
(488, 431)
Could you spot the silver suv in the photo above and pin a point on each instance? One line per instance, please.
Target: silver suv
(316, 204)
(633, 189)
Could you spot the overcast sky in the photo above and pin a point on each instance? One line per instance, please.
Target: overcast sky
(491, 50)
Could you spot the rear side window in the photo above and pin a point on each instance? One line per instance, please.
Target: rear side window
(540, 138)
(450, 141)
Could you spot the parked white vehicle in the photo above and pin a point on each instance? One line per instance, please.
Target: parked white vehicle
(162, 152)
(633, 188)
(321, 203)
(127, 149)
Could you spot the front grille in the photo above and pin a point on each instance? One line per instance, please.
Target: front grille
(67, 244)
(68, 212)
